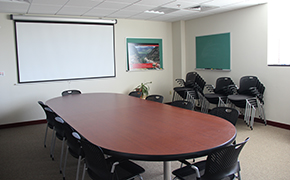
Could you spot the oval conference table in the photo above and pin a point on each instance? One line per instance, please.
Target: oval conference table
(139, 129)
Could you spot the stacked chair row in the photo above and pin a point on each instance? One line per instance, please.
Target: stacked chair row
(189, 89)
(248, 97)
(96, 163)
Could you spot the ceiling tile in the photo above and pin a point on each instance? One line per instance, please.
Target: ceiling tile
(139, 7)
(112, 5)
(7, 7)
(44, 9)
(99, 12)
(51, 2)
(73, 10)
(123, 1)
(83, 3)
(155, 2)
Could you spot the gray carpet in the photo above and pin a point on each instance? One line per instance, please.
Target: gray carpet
(22, 155)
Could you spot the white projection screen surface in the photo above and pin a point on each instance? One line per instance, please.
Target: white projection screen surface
(49, 51)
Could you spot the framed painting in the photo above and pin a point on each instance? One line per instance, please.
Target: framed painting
(144, 54)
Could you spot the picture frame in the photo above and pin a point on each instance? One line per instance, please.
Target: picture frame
(144, 54)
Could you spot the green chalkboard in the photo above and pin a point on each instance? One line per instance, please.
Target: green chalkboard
(213, 52)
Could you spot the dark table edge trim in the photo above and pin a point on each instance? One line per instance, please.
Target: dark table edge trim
(174, 157)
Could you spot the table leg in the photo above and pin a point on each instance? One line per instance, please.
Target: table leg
(167, 170)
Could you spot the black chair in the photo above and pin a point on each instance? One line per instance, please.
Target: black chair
(182, 104)
(249, 97)
(70, 92)
(60, 134)
(51, 118)
(101, 168)
(218, 95)
(137, 94)
(227, 113)
(220, 163)
(73, 147)
(50, 122)
(156, 98)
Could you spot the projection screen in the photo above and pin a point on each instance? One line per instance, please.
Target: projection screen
(51, 51)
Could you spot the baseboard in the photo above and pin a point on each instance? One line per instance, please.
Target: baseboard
(26, 123)
(271, 123)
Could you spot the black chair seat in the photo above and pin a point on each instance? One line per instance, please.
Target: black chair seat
(214, 98)
(239, 100)
(185, 173)
(123, 170)
(182, 91)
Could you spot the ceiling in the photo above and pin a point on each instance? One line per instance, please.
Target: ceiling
(174, 10)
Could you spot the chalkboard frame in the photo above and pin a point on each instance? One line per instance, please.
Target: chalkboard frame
(213, 52)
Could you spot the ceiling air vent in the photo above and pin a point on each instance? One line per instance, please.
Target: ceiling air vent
(201, 8)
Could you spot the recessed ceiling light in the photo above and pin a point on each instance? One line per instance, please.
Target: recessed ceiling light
(154, 12)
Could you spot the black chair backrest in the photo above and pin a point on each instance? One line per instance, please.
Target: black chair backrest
(222, 85)
(73, 143)
(246, 83)
(70, 92)
(190, 79)
(227, 113)
(135, 94)
(95, 160)
(50, 116)
(223, 161)
(42, 104)
(156, 98)
(182, 104)
(59, 127)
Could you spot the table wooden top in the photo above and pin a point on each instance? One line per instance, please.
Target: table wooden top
(140, 129)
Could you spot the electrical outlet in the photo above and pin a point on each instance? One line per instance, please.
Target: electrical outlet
(170, 92)
(2, 73)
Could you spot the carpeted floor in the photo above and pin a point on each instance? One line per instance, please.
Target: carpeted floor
(22, 155)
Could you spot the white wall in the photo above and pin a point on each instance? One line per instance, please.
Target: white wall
(248, 28)
(19, 101)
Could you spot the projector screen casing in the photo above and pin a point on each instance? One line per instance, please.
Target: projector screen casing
(54, 51)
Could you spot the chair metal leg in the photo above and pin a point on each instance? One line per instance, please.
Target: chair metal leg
(78, 168)
(190, 97)
(45, 135)
(52, 142)
(53, 145)
(61, 156)
(173, 95)
(252, 117)
(261, 111)
(247, 112)
(140, 177)
(84, 172)
(64, 166)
